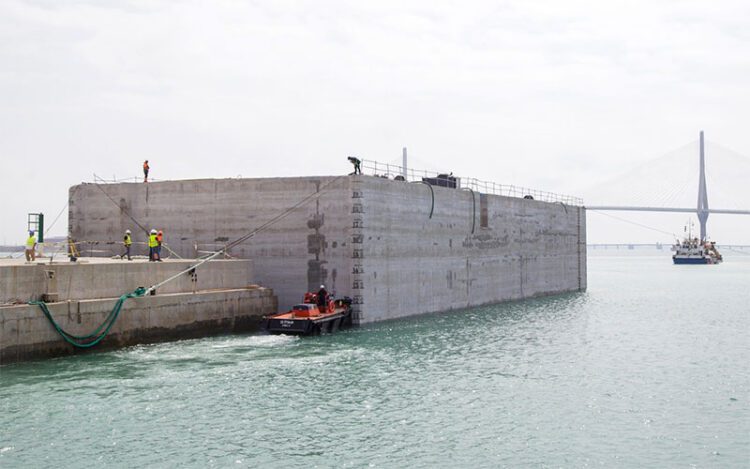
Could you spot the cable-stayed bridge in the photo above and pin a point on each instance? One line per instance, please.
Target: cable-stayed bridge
(701, 209)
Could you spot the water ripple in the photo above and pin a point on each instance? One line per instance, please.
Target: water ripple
(636, 372)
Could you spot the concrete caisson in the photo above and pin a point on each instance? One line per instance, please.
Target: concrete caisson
(397, 248)
(427, 248)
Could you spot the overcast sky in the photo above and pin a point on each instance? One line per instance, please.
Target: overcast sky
(555, 95)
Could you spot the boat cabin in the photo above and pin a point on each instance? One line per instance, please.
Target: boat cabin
(305, 310)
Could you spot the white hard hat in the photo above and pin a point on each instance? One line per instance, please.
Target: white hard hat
(322, 286)
(127, 231)
(153, 231)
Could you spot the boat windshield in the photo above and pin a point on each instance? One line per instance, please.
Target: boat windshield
(302, 307)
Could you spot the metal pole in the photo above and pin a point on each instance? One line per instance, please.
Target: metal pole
(404, 165)
(40, 228)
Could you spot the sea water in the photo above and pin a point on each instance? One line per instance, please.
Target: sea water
(648, 368)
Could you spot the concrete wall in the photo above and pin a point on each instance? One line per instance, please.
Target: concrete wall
(473, 249)
(369, 238)
(85, 279)
(25, 333)
(304, 249)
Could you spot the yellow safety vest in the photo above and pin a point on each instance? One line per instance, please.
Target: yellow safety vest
(152, 242)
(128, 241)
(30, 242)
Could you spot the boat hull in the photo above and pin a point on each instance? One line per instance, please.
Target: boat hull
(693, 260)
(308, 326)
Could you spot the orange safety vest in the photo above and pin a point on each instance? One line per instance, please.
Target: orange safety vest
(145, 166)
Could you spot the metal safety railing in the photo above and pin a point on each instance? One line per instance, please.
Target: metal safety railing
(115, 180)
(393, 171)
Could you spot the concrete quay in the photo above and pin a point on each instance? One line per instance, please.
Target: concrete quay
(397, 248)
(218, 298)
(99, 277)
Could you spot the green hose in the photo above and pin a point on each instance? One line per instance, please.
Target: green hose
(89, 340)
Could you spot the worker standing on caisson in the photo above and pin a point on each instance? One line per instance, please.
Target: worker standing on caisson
(152, 244)
(31, 247)
(145, 171)
(159, 240)
(127, 241)
(356, 162)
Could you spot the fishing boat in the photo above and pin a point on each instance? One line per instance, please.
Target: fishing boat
(310, 317)
(694, 251)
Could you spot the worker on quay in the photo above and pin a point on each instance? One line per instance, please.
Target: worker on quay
(152, 244)
(31, 247)
(127, 241)
(322, 298)
(159, 241)
(145, 171)
(357, 164)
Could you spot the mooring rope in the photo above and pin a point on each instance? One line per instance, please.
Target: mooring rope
(633, 223)
(93, 338)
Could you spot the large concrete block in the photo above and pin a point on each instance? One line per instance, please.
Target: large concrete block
(428, 249)
(308, 244)
(397, 248)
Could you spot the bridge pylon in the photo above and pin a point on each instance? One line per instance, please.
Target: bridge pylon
(702, 209)
(702, 192)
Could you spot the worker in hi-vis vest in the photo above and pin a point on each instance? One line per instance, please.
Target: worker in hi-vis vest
(159, 241)
(152, 244)
(127, 241)
(31, 247)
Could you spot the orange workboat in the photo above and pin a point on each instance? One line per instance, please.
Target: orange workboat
(309, 318)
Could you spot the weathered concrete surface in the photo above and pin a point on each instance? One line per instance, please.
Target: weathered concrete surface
(21, 282)
(308, 247)
(369, 238)
(474, 249)
(25, 333)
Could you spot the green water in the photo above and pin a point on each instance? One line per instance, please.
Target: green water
(648, 368)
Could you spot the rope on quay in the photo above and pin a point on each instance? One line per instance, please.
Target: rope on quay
(90, 340)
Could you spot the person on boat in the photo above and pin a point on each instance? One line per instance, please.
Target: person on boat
(145, 171)
(322, 298)
(127, 241)
(31, 247)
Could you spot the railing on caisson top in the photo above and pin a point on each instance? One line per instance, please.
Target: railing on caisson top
(392, 171)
